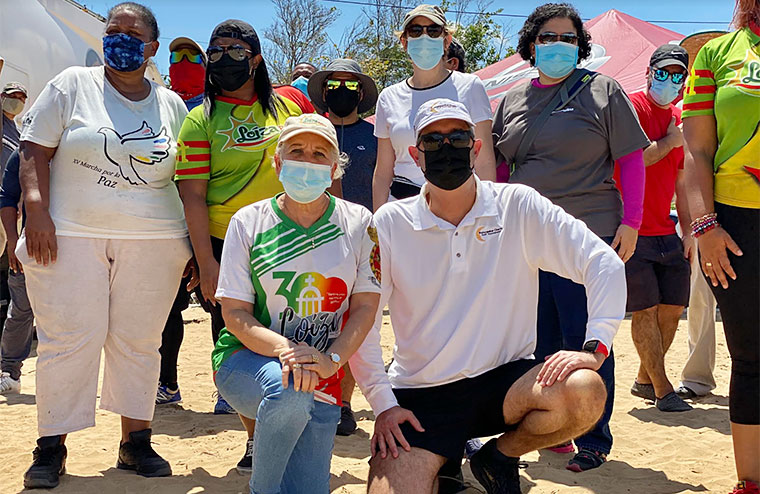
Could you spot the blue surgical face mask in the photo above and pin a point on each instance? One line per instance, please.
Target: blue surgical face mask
(123, 52)
(304, 182)
(556, 60)
(426, 52)
(664, 92)
(302, 85)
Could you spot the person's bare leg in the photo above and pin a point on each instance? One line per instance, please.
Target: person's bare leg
(648, 341)
(413, 472)
(132, 425)
(746, 440)
(249, 424)
(347, 385)
(668, 317)
(551, 415)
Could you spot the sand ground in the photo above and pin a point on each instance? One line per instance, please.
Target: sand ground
(654, 453)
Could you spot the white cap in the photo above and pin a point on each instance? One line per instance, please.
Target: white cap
(440, 109)
(310, 123)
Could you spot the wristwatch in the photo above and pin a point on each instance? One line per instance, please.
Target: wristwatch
(596, 346)
(335, 358)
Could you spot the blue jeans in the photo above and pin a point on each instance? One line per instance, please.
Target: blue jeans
(562, 318)
(293, 440)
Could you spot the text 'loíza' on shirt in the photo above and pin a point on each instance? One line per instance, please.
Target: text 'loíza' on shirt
(299, 280)
(111, 175)
(463, 298)
(397, 106)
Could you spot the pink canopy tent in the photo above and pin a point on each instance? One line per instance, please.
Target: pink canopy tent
(622, 45)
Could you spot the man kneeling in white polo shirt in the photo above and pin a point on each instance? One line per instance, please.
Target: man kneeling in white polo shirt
(459, 270)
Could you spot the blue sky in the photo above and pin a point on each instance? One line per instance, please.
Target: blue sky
(196, 18)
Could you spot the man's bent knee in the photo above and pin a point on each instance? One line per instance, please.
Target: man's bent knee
(586, 394)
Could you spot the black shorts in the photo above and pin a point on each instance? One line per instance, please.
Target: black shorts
(455, 412)
(657, 273)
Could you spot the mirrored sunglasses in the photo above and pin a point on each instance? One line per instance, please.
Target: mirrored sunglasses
(434, 141)
(192, 56)
(662, 75)
(334, 84)
(236, 52)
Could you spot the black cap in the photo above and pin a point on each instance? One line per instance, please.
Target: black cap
(234, 28)
(669, 55)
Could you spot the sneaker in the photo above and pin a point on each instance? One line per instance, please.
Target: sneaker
(222, 407)
(165, 396)
(471, 447)
(137, 454)
(48, 465)
(586, 459)
(671, 402)
(8, 385)
(563, 449)
(645, 391)
(245, 465)
(347, 424)
(686, 393)
(499, 474)
(746, 487)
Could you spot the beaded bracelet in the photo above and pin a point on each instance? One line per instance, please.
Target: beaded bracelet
(704, 224)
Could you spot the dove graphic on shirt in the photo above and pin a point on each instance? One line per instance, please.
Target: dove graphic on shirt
(135, 152)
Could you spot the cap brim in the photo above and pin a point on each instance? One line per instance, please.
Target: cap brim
(670, 61)
(317, 82)
(181, 41)
(308, 130)
(15, 90)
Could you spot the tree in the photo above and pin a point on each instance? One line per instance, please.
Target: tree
(297, 35)
(484, 39)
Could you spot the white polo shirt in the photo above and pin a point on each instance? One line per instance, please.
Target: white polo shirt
(463, 299)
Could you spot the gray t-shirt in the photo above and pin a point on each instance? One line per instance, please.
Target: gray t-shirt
(572, 159)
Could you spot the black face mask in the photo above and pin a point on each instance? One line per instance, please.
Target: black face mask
(342, 101)
(449, 167)
(228, 74)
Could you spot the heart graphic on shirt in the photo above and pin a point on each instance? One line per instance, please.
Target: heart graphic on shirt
(312, 293)
(335, 293)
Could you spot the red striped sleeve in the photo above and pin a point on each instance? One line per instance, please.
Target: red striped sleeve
(194, 171)
(704, 73)
(197, 157)
(709, 89)
(699, 105)
(197, 144)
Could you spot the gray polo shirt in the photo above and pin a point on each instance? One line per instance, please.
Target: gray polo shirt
(572, 160)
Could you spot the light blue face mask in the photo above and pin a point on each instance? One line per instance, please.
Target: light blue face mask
(557, 59)
(426, 52)
(302, 85)
(664, 92)
(304, 182)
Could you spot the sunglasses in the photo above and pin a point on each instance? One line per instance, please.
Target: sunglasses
(662, 75)
(192, 56)
(415, 30)
(433, 141)
(236, 52)
(351, 85)
(550, 37)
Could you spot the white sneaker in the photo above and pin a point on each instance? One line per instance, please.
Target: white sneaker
(8, 385)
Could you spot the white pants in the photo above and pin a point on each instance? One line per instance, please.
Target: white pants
(697, 374)
(109, 295)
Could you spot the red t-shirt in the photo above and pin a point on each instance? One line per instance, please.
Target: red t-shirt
(660, 186)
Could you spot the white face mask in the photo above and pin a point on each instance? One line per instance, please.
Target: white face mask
(305, 182)
(12, 105)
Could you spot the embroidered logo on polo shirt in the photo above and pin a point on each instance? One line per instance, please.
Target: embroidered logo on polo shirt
(481, 233)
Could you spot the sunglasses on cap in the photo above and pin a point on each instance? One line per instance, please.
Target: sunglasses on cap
(550, 37)
(433, 141)
(236, 52)
(335, 84)
(415, 30)
(662, 75)
(192, 56)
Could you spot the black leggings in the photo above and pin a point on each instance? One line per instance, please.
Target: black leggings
(740, 311)
(171, 338)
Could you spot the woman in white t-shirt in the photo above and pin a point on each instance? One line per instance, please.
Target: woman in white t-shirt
(426, 37)
(105, 243)
(293, 267)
